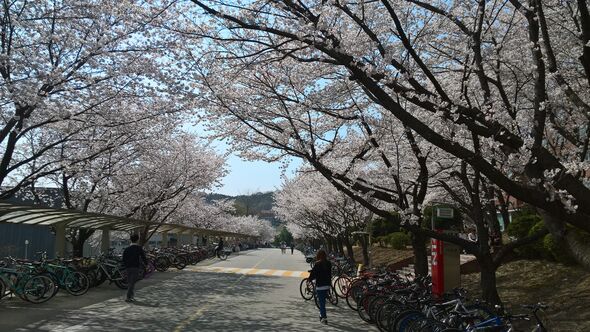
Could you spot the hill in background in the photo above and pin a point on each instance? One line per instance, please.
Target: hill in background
(257, 204)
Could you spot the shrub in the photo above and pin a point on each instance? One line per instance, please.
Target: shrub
(383, 227)
(535, 249)
(399, 240)
(521, 225)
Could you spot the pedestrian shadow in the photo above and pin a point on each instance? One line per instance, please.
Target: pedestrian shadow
(146, 304)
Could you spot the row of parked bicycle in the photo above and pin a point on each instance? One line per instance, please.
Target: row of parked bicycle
(394, 303)
(39, 281)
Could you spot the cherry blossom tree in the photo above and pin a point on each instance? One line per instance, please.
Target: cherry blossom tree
(68, 66)
(98, 156)
(500, 85)
(164, 175)
(311, 202)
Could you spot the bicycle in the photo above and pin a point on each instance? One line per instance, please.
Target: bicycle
(308, 292)
(31, 288)
(111, 270)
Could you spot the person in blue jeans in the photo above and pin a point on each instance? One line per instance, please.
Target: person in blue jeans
(322, 274)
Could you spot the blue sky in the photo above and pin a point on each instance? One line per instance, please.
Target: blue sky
(248, 177)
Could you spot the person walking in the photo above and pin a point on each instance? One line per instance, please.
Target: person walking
(292, 248)
(219, 247)
(135, 261)
(322, 274)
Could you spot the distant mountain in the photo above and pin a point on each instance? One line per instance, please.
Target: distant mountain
(258, 204)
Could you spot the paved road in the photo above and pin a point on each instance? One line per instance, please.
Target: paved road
(257, 290)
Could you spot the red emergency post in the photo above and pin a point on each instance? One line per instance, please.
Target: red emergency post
(438, 267)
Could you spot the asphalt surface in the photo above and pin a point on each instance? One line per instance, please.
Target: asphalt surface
(257, 290)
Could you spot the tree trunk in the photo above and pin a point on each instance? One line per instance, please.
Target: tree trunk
(364, 246)
(579, 249)
(340, 245)
(488, 281)
(348, 245)
(328, 244)
(420, 254)
(144, 236)
(78, 241)
(77, 247)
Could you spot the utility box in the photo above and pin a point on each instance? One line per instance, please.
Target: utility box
(446, 263)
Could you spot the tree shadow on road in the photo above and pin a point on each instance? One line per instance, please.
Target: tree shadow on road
(206, 302)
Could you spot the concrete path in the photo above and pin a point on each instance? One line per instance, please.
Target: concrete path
(257, 290)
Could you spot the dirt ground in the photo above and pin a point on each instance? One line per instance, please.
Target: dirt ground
(565, 289)
(382, 256)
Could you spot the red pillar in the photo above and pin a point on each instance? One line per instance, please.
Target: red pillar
(437, 268)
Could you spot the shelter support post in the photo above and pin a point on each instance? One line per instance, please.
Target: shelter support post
(60, 239)
(105, 241)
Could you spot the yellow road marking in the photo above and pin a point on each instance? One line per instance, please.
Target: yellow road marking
(269, 272)
(250, 271)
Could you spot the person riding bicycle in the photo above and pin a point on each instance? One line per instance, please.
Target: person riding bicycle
(219, 247)
(322, 274)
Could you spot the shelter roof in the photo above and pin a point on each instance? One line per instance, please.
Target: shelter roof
(43, 216)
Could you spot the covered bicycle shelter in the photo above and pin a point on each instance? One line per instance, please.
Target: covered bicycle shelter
(61, 219)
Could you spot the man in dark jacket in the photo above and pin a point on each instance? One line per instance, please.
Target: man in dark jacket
(219, 247)
(133, 258)
(322, 274)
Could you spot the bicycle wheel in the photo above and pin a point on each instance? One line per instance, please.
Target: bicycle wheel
(101, 277)
(374, 304)
(122, 283)
(341, 286)
(306, 291)
(394, 313)
(162, 264)
(38, 289)
(362, 307)
(91, 275)
(55, 282)
(405, 318)
(382, 315)
(332, 297)
(417, 325)
(433, 326)
(354, 293)
(179, 262)
(77, 284)
(2, 288)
